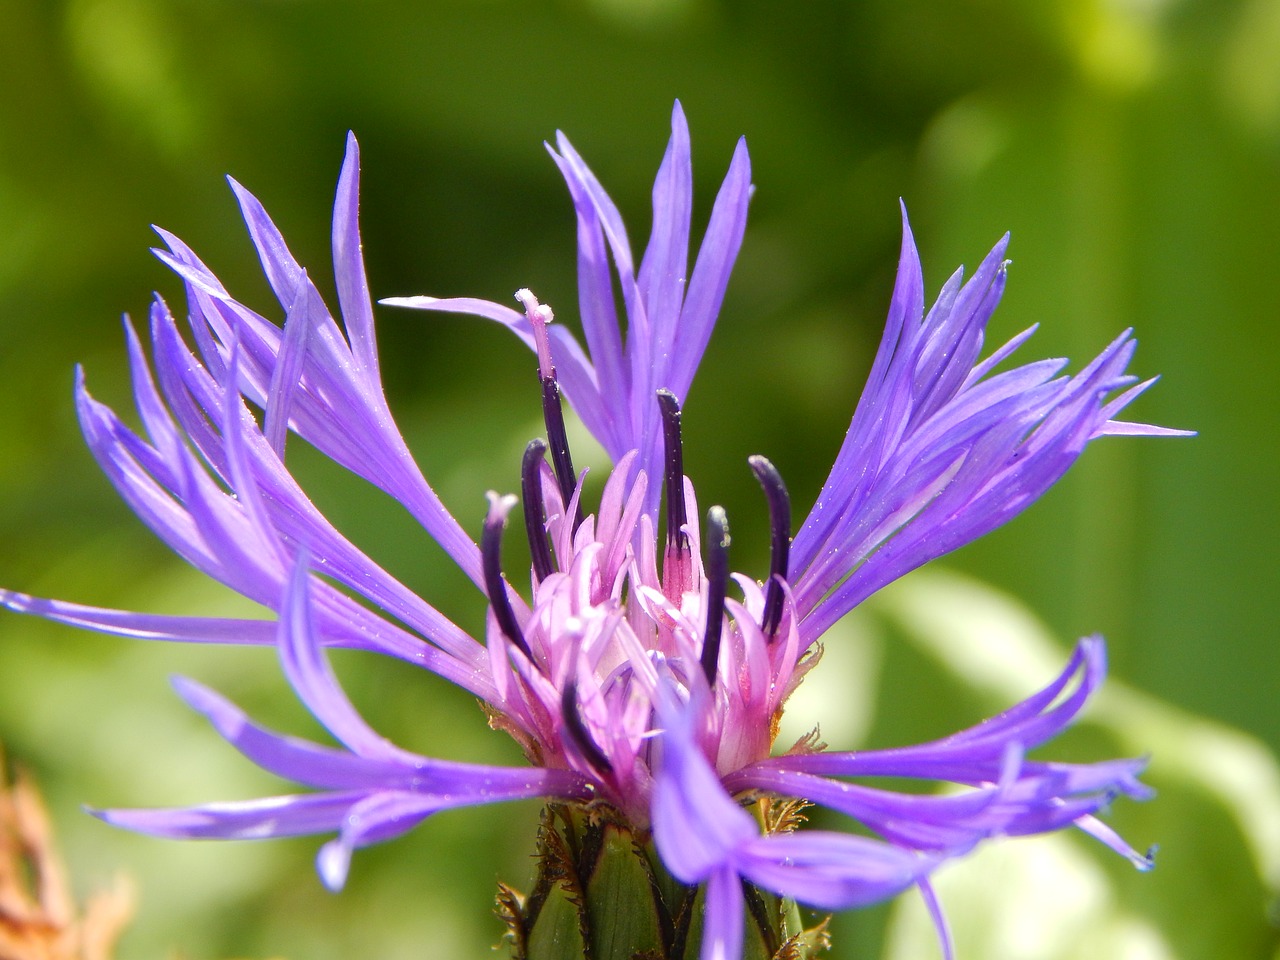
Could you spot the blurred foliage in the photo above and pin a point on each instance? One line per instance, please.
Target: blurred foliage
(1131, 146)
(39, 918)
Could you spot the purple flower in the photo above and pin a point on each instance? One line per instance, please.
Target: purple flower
(626, 676)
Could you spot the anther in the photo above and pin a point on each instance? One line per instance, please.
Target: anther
(717, 581)
(780, 542)
(534, 512)
(577, 730)
(539, 315)
(494, 583)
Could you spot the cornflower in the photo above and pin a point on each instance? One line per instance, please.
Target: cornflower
(645, 696)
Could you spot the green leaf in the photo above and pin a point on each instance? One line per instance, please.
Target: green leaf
(622, 913)
(557, 930)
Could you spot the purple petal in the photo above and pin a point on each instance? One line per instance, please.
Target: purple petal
(937, 456)
(906, 307)
(287, 374)
(336, 408)
(975, 754)
(723, 916)
(289, 757)
(155, 506)
(290, 515)
(143, 626)
(312, 678)
(711, 271)
(348, 265)
(382, 816)
(1100, 831)
(282, 270)
(288, 816)
(939, 918)
(151, 410)
(1000, 355)
(832, 871)
(950, 823)
(236, 421)
(587, 193)
(579, 178)
(574, 370)
(664, 269)
(1123, 428)
(696, 826)
(599, 314)
(448, 783)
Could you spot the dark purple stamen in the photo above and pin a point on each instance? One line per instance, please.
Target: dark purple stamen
(674, 471)
(717, 580)
(578, 732)
(561, 462)
(539, 316)
(780, 542)
(534, 512)
(496, 586)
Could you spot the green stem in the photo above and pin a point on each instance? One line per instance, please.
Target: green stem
(601, 893)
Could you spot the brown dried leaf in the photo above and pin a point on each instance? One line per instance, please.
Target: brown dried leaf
(38, 916)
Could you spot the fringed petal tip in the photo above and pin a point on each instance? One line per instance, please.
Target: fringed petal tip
(1143, 862)
(1147, 862)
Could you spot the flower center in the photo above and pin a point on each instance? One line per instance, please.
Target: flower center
(583, 667)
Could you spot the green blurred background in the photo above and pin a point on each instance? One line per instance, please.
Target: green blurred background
(1131, 146)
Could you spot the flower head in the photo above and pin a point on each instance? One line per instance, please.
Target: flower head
(638, 670)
